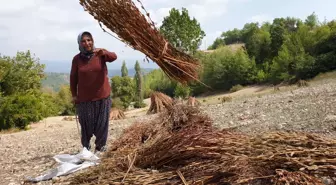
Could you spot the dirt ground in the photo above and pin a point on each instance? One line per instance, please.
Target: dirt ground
(252, 110)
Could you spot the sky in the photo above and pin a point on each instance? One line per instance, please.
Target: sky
(49, 28)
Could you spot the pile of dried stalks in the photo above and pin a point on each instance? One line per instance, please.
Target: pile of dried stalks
(159, 103)
(182, 147)
(117, 114)
(125, 19)
(192, 101)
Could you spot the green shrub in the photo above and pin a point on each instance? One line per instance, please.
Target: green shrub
(117, 103)
(139, 105)
(236, 88)
(182, 91)
(225, 68)
(64, 101)
(19, 110)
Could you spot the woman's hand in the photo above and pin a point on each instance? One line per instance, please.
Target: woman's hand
(108, 56)
(99, 51)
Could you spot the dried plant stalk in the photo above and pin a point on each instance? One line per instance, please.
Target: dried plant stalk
(159, 103)
(192, 101)
(116, 114)
(125, 19)
(183, 139)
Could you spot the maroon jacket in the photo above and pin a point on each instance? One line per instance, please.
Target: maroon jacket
(89, 81)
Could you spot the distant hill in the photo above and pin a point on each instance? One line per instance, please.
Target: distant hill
(56, 80)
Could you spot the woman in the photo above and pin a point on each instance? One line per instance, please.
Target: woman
(90, 90)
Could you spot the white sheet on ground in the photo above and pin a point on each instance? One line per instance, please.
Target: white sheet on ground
(69, 164)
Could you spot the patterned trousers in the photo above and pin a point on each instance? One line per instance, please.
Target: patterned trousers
(94, 120)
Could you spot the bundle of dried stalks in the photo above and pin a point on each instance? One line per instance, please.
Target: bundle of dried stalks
(126, 20)
(284, 177)
(159, 103)
(192, 101)
(182, 147)
(117, 114)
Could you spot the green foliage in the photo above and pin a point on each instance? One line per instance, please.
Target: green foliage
(64, 101)
(127, 91)
(286, 49)
(217, 43)
(157, 80)
(312, 20)
(139, 86)
(51, 106)
(19, 110)
(123, 88)
(116, 86)
(181, 31)
(224, 68)
(124, 70)
(258, 45)
(182, 91)
(23, 73)
(236, 88)
(138, 105)
(22, 100)
(232, 37)
(117, 103)
(55, 80)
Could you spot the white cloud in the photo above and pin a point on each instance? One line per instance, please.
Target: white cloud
(202, 10)
(49, 28)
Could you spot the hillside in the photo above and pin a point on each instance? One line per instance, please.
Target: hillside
(310, 109)
(55, 80)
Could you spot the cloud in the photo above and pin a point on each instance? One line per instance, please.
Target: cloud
(49, 28)
(202, 10)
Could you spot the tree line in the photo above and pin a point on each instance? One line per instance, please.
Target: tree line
(284, 50)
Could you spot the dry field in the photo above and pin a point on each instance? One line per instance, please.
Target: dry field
(311, 109)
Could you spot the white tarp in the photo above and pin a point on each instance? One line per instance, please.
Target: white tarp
(69, 164)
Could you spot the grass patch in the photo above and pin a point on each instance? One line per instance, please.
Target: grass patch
(236, 88)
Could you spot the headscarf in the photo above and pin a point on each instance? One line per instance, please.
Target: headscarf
(83, 52)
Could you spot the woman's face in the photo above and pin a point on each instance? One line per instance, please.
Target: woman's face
(87, 43)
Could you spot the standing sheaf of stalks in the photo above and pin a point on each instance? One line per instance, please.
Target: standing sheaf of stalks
(159, 103)
(124, 19)
(116, 114)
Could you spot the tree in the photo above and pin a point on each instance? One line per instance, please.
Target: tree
(225, 68)
(22, 73)
(127, 91)
(124, 71)
(181, 31)
(312, 20)
(258, 45)
(139, 86)
(217, 43)
(64, 98)
(116, 86)
(292, 62)
(232, 36)
(182, 91)
(19, 110)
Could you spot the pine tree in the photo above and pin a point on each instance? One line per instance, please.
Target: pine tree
(138, 81)
(124, 71)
